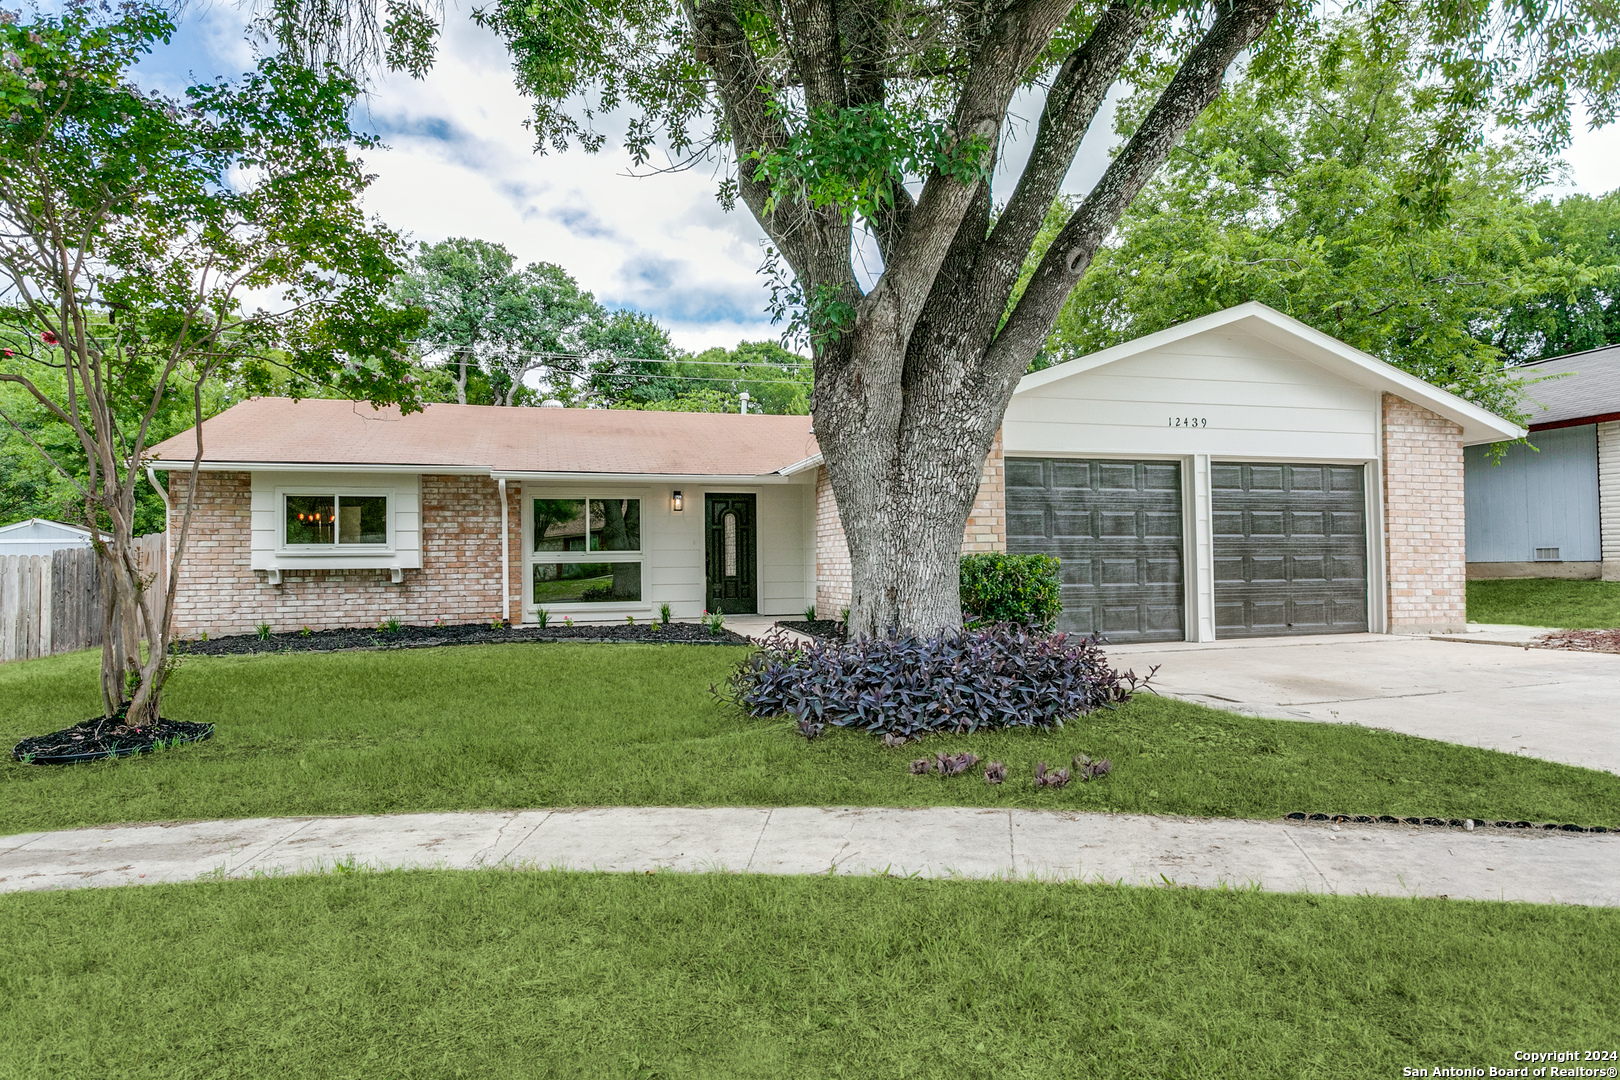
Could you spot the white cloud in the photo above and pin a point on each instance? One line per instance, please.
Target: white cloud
(459, 162)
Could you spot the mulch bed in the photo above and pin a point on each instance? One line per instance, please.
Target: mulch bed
(1606, 641)
(104, 737)
(416, 637)
(826, 629)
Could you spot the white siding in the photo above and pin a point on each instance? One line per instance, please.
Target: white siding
(404, 549)
(786, 549)
(1259, 401)
(672, 545)
(1608, 435)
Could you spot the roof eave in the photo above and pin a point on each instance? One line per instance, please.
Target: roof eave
(639, 478)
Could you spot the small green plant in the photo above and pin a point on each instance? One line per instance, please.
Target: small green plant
(305, 632)
(390, 626)
(542, 617)
(203, 636)
(497, 623)
(631, 619)
(843, 617)
(1001, 588)
(663, 614)
(264, 631)
(810, 613)
(715, 621)
(568, 620)
(439, 622)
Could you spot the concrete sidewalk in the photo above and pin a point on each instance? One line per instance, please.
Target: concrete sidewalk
(1535, 702)
(1485, 864)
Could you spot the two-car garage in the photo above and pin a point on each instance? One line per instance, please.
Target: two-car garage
(1289, 544)
(1242, 475)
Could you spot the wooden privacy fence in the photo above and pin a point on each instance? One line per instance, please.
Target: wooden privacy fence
(52, 603)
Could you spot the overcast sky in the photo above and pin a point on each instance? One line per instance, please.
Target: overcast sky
(459, 162)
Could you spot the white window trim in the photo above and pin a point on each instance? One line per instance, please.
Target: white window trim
(531, 556)
(284, 550)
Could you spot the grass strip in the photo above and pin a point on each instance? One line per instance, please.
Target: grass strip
(552, 974)
(1567, 605)
(481, 727)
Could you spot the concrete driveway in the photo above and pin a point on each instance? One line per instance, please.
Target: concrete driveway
(1561, 706)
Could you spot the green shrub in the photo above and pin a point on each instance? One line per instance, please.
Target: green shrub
(998, 588)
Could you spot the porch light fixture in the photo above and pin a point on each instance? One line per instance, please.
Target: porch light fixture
(676, 502)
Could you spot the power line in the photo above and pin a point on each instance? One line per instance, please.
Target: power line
(598, 358)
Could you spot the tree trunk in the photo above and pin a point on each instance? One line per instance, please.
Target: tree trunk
(130, 684)
(904, 495)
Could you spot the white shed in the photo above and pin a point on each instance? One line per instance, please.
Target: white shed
(40, 536)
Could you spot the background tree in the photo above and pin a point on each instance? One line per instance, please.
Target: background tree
(776, 382)
(490, 324)
(1306, 200)
(888, 116)
(629, 361)
(33, 488)
(130, 228)
(1585, 313)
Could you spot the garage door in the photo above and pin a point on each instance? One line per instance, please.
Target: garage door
(1290, 549)
(1115, 527)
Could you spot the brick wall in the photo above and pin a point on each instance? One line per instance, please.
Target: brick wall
(1424, 525)
(459, 580)
(1608, 436)
(986, 531)
(987, 521)
(833, 589)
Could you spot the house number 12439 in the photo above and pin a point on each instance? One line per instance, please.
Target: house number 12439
(1189, 421)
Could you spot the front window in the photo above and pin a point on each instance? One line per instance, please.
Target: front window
(336, 519)
(586, 551)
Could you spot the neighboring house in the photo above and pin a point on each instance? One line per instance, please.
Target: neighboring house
(1239, 475)
(1552, 509)
(40, 536)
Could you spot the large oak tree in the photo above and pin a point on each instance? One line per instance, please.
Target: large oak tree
(887, 119)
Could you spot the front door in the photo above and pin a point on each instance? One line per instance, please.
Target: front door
(733, 587)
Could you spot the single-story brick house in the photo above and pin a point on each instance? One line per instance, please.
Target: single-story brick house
(1551, 509)
(1239, 475)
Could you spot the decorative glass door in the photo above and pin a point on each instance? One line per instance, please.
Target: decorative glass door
(733, 587)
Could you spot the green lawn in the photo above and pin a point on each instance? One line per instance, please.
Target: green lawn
(567, 725)
(1568, 605)
(545, 974)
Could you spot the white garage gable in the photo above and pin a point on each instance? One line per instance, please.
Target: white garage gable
(1227, 386)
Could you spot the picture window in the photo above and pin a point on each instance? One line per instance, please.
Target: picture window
(340, 520)
(585, 551)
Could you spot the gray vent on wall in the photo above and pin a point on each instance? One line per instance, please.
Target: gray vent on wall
(1547, 555)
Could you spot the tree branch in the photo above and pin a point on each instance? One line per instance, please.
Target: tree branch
(1194, 86)
(818, 53)
(1077, 93)
(889, 312)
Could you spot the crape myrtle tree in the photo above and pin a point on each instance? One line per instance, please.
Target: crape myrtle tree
(886, 118)
(149, 247)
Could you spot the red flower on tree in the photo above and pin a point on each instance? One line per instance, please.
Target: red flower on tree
(47, 337)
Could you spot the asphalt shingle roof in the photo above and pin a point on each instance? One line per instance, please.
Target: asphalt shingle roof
(513, 440)
(1590, 389)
